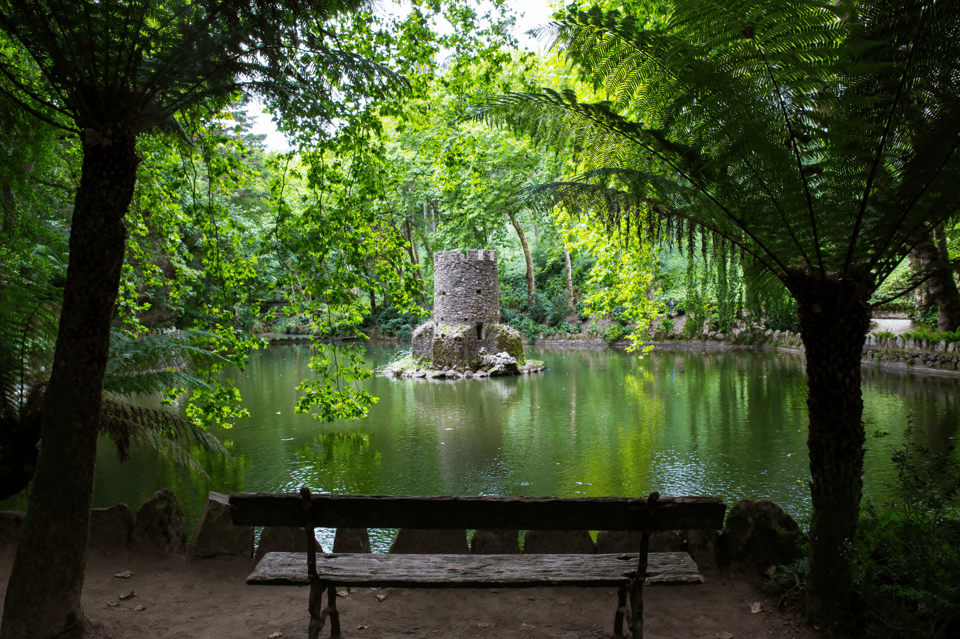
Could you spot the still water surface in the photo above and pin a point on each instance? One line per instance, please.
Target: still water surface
(725, 423)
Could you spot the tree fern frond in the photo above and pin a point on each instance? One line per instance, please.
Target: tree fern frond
(28, 329)
(157, 362)
(817, 137)
(169, 434)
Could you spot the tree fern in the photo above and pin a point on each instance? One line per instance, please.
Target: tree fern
(820, 138)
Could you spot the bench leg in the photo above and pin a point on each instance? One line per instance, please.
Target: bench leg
(621, 611)
(636, 609)
(334, 613)
(315, 606)
(319, 614)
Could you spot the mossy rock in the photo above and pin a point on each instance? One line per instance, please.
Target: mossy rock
(448, 344)
(762, 534)
(510, 340)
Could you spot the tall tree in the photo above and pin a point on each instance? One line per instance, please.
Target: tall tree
(109, 72)
(939, 288)
(819, 138)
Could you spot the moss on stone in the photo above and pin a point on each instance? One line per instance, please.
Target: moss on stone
(510, 340)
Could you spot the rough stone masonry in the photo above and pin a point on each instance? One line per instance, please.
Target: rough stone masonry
(465, 333)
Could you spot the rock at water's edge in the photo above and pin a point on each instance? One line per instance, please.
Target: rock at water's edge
(609, 541)
(416, 541)
(351, 540)
(495, 542)
(160, 528)
(283, 539)
(216, 534)
(558, 542)
(11, 522)
(760, 533)
(110, 528)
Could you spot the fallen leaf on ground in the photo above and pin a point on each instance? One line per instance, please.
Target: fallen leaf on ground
(526, 626)
(724, 635)
(128, 595)
(275, 635)
(113, 604)
(483, 624)
(341, 593)
(362, 627)
(140, 607)
(756, 607)
(126, 574)
(381, 597)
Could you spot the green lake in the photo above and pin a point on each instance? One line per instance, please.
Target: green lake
(595, 422)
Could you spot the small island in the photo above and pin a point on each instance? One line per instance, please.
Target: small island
(465, 338)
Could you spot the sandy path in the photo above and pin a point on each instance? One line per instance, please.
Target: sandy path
(209, 599)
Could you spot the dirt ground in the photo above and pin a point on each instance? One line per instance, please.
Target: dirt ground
(209, 599)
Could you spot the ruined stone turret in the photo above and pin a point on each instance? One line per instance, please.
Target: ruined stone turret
(465, 288)
(465, 333)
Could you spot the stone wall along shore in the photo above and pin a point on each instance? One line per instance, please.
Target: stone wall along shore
(756, 535)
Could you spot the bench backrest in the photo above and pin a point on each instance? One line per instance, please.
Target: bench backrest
(525, 513)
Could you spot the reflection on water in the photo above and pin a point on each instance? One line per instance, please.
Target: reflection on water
(726, 423)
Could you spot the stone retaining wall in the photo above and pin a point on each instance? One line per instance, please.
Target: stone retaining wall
(757, 533)
(897, 352)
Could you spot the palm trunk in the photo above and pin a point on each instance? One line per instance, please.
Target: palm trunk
(833, 323)
(43, 594)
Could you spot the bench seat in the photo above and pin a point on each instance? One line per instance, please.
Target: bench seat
(472, 571)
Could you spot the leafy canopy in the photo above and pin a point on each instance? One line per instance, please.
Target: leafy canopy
(820, 139)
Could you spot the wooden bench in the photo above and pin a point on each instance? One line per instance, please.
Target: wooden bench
(472, 571)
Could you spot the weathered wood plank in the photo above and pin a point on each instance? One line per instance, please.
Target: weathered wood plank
(472, 571)
(543, 513)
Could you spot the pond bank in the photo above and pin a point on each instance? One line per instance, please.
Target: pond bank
(895, 354)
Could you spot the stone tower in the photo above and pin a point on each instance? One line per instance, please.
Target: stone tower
(465, 332)
(466, 289)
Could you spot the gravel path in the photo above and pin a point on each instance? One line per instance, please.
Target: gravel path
(895, 326)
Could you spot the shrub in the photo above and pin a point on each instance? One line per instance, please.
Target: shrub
(926, 318)
(884, 334)
(907, 557)
(933, 336)
(692, 327)
(393, 322)
(565, 327)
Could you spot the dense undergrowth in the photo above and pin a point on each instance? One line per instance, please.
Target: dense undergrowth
(906, 555)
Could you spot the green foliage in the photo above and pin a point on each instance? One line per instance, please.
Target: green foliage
(620, 279)
(907, 556)
(336, 393)
(884, 334)
(665, 324)
(815, 139)
(933, 336)
(787, 584)
(926, 318)
(393, 322)
(155, 363)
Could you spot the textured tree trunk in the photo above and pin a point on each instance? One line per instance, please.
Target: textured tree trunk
(531, 288)
(568, 275)
(43, 594)
(940, 287)
(415, 261)
(833, 323)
